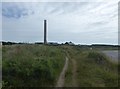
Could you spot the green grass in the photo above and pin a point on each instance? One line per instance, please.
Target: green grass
(40, 66)
(31, 65)
(94, 69)
(96, 74)
(68, 77)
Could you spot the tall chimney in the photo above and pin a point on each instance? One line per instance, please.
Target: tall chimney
(45, 31)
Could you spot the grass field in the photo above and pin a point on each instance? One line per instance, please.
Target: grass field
(40, 65)
(31, 65)
(93, 69)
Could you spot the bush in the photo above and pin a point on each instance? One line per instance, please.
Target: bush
(32, 66)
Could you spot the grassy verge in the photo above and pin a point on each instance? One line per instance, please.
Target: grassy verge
(31, 65)
(40, 66)
(68, 77)
(94, 69)
(71, 51)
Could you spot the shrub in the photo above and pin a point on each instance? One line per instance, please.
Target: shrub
(28, 68)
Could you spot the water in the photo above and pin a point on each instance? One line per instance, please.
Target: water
(113, 54)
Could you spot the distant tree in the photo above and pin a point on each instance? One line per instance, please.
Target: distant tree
(66, 43)
(8, 43)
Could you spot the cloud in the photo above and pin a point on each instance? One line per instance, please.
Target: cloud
(60, 0)
(11, 10)
(0, 22)
(80, 22)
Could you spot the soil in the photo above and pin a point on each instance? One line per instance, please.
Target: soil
(60, 82)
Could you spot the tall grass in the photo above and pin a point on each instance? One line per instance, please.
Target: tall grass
(93, 69)
(40, 66)
(31, 65)
(96, 71)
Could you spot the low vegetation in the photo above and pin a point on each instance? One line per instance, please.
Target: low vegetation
(31, 65)
(40, 66)
(93, 69)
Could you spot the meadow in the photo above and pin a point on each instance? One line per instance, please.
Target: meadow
(34, 65)
(31, 65)
(93, 69)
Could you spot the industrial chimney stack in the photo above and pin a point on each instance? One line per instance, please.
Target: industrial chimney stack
(45, 31)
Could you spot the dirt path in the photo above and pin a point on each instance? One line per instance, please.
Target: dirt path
(61, 79)
(74, 72)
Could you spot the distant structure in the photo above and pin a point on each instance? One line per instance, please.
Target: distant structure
(69, 43)
(45, 31)
(0, 42)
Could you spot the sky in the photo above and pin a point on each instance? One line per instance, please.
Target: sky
(81, 22)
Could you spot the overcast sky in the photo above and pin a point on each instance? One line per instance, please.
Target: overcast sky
(79, 22)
